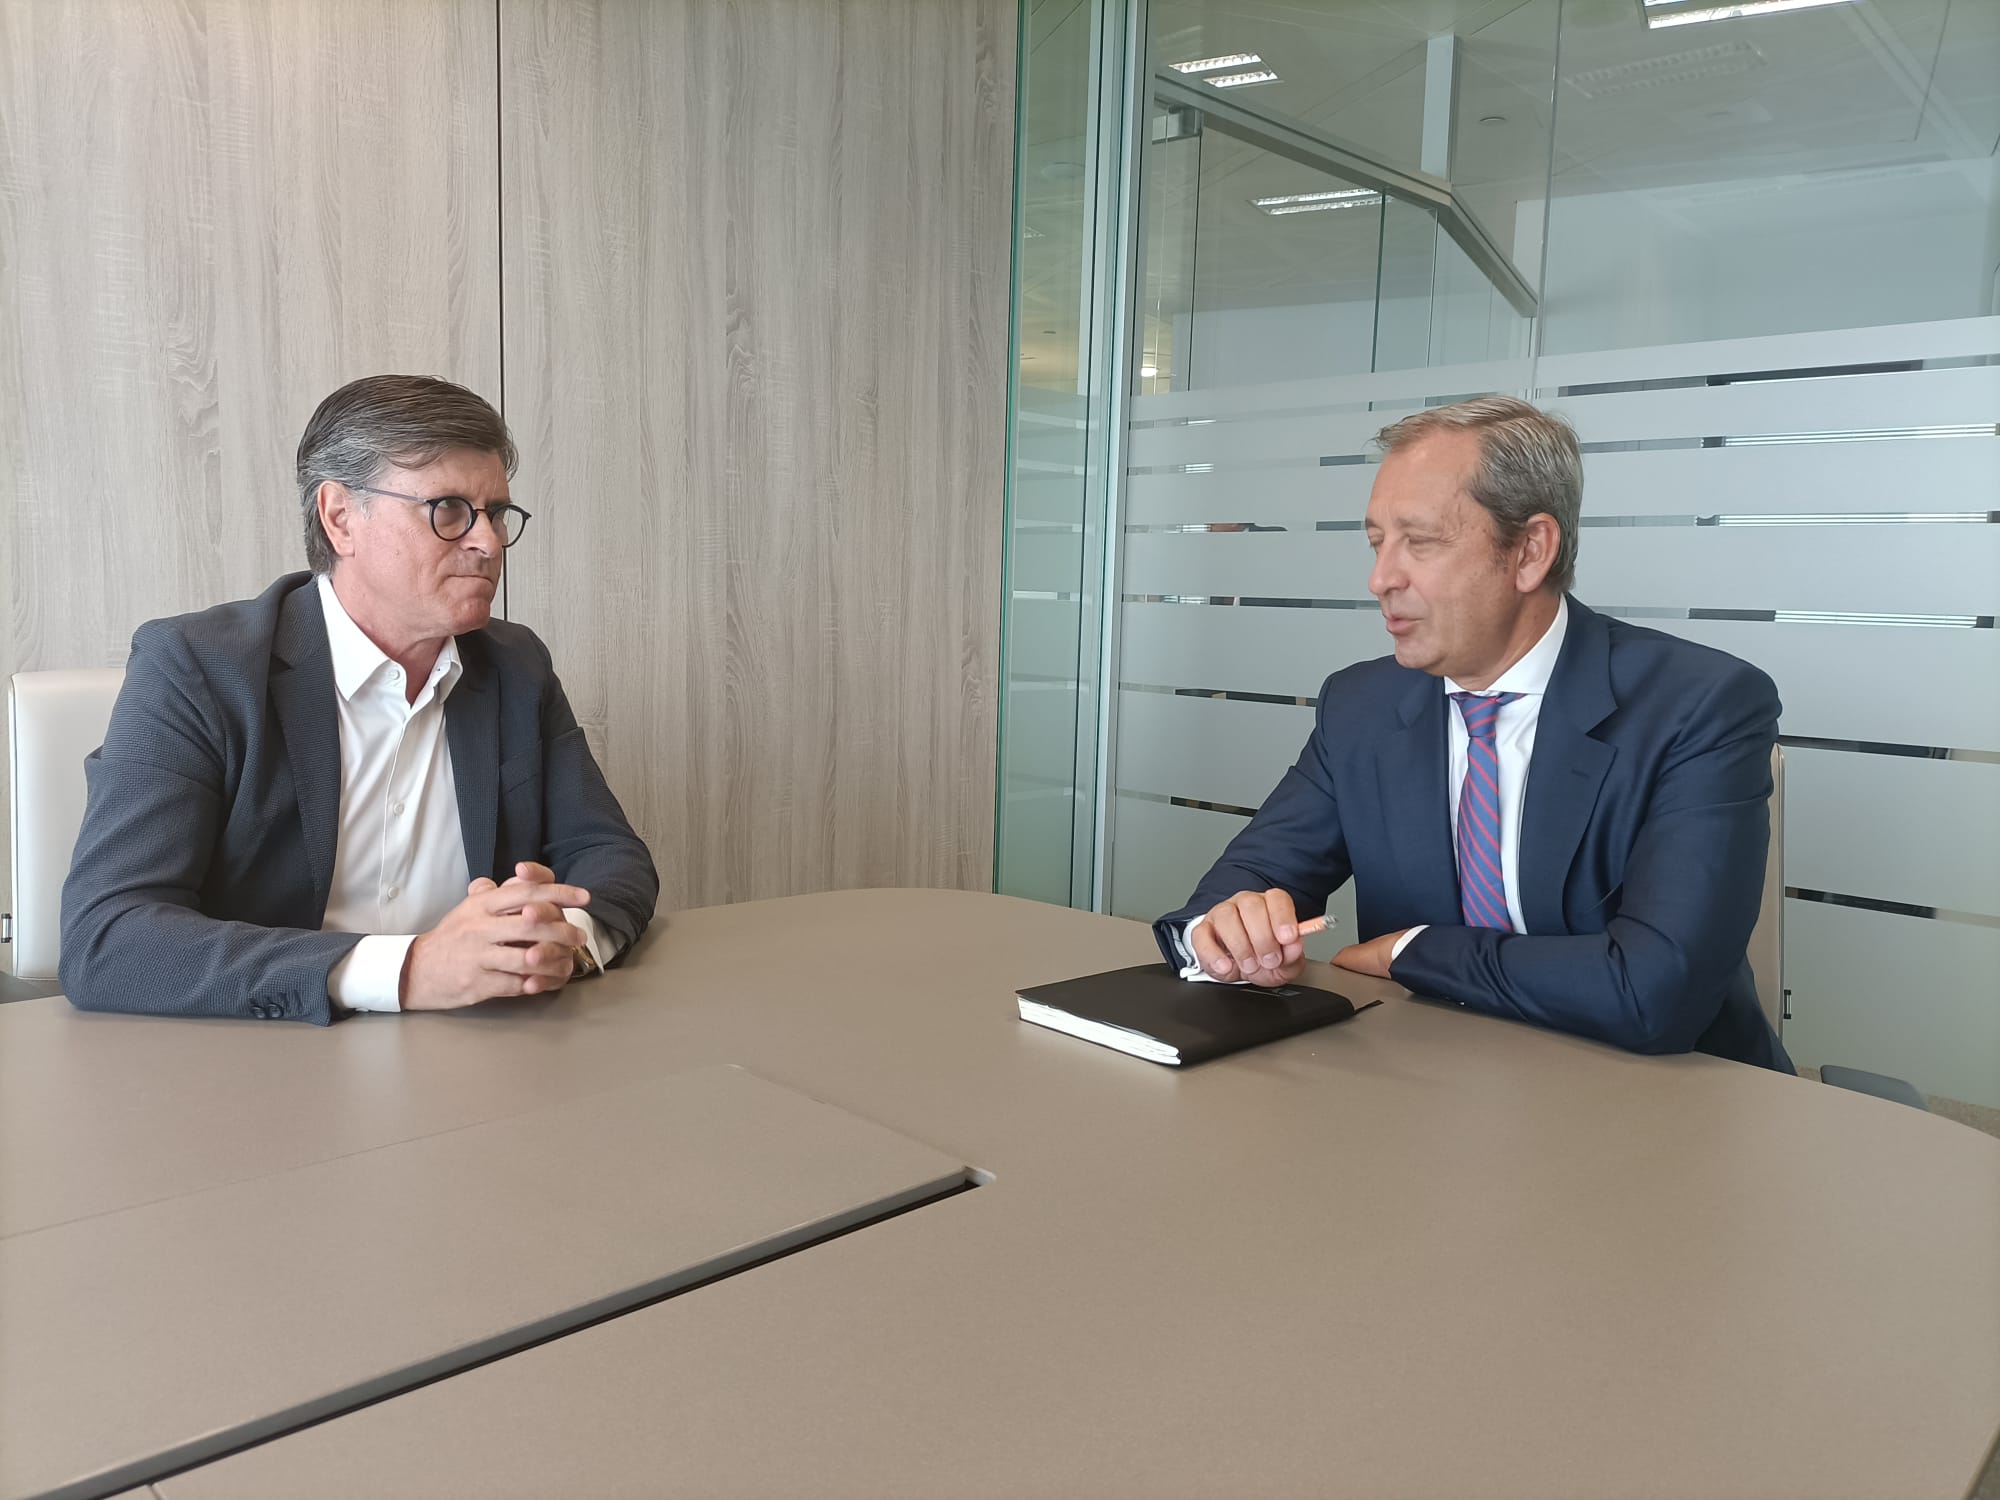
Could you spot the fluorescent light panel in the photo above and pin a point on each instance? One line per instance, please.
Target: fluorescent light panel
(1210, 64)
(1327, 197)
(1314, 203)
(1318, 208)
(1657, 22)
(1237, 80)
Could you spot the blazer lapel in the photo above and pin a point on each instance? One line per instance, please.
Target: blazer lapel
(302, 697)
(1410, 777)
(472, 731)
(1567, 769)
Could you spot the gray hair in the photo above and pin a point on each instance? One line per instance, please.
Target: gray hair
(406, 420)
(1529, 465)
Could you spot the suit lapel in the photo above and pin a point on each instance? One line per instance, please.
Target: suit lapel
(1567, 769)
(302, 697)
(472, 730)
(1410, 776)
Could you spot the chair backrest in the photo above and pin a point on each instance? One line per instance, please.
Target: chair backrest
(1767, 941)
(54, 719)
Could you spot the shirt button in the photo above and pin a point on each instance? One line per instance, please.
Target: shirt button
(395, 674)
(395, 809)
(391, 893)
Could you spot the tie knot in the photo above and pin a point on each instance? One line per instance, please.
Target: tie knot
(1481, 712)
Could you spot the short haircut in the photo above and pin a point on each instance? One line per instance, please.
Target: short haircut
(1529, 465)
(368, 424)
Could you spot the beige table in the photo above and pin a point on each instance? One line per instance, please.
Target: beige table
(217, 1318)
(1423, 1253)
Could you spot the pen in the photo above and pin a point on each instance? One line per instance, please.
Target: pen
(1312, 925)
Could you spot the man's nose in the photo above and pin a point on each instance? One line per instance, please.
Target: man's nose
(1385, 575)
(484, 536)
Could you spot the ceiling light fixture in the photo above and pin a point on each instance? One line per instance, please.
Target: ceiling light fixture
(1663, 19)
(1210, 64)
(1237, 80)
(1315, 203)
(1320, 208)
(1149, 372)
(1326, 197)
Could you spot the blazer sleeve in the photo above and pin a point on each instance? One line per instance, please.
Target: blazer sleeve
(1294, 842)
(588, 841)
(134, 936)
(1654, 979)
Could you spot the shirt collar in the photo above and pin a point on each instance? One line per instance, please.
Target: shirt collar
(357, 660)
(1530, 675)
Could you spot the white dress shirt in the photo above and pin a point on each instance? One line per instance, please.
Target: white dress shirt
(1514, 745)
(399, 855)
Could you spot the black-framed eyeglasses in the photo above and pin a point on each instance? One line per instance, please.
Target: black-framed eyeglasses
(452, 516)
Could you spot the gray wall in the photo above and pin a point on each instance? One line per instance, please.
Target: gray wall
(736, 273)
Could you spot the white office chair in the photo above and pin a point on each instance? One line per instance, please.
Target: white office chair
(54, 719)
(1767, 940)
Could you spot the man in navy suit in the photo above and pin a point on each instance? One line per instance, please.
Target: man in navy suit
(1548, 814)
(359, 790)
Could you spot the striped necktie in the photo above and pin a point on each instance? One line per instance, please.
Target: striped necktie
(1482, 891)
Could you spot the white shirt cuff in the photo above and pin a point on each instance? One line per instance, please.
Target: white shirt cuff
(370, 977)
(600, 951)
(1191, 966)
(1396, 951)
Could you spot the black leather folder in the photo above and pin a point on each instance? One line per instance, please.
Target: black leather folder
(1151, 1012)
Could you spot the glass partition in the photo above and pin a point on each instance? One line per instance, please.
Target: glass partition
(1755, 260)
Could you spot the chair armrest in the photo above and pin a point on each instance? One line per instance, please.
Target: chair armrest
(1881, 1085)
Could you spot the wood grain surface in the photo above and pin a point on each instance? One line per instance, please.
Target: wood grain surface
(756, 327)
(212, 213)
(754, 259)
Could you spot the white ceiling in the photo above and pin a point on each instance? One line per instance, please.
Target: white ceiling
(1863, 87)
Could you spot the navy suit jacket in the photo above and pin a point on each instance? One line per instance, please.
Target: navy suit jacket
(1643, 840)
(203, 867)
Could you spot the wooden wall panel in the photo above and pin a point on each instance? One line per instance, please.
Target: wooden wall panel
(212, 213)
(755, 306)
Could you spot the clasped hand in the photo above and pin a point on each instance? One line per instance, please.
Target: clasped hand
(501, 940)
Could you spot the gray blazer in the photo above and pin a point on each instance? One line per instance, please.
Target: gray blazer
(203, 867)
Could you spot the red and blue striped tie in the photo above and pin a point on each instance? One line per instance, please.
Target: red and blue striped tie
(1482, 891)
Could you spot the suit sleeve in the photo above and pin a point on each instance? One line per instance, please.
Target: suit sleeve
(134, 936)
(1654, 979)
(1293, 843)
(589, 841)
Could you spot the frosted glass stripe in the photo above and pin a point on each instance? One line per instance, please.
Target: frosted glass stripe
(1920, 912)
(1950, 474)
(1871, 403)
(1952, 338)
(1909, 998)
(1209, 751)
(1871, 682)
(1284, 497)
(1816, 668)
(1234, 444)
(1926, 398)
(1907, 570)
(1790, 741)
(1390, 391)
(1913, 833)
(1922, 832)
(1919, 571)
(1244, 649)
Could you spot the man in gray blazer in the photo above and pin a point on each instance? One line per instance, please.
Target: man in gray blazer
(357, 791)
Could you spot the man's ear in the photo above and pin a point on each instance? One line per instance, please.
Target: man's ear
(337, 510)
(1540, 540)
